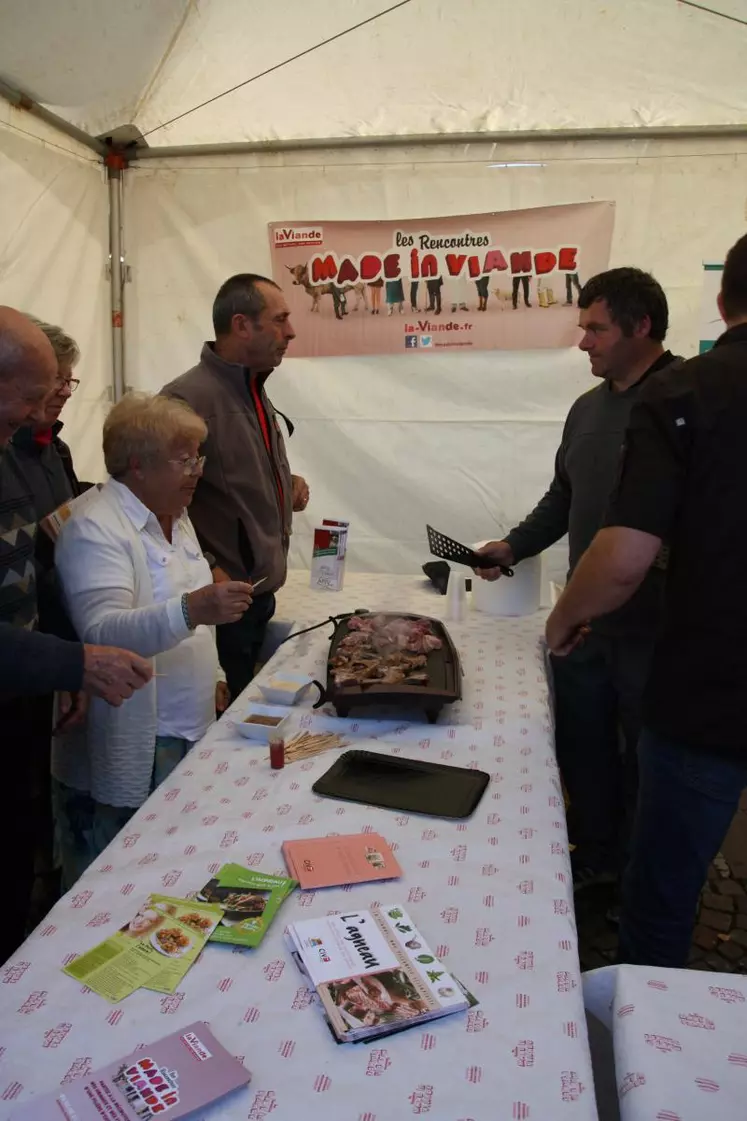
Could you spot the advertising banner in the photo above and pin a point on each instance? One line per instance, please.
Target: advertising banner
(504, 281)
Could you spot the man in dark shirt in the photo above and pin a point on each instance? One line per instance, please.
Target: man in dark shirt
(623, 314)
(682, 481)
(31, 663)
(46, 463)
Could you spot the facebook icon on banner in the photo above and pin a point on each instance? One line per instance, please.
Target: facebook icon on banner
(411, 341)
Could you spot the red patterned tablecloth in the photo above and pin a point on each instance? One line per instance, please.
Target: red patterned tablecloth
(492, 895)
(680, 1041)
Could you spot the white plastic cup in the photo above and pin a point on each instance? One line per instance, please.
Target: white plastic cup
(456, 597)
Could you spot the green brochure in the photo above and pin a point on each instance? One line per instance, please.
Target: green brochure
(250, 901)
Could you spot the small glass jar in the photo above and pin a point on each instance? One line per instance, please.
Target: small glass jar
(277, 753)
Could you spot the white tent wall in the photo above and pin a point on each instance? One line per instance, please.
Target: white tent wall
(464, 441)
(54, 236)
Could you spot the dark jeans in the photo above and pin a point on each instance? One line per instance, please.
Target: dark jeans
(17, 821)
(598, 693)
(239, 643)
(524, 282)
(339, 299)
(686, 802)
(571, 280)
(40, 735)
(46, 887)
(434, 296)
(85, 827)
(414, 285)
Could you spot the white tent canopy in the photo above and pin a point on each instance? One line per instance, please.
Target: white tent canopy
(428, 66)
(495, 105)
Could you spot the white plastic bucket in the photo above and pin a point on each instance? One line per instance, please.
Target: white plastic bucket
(519, 594)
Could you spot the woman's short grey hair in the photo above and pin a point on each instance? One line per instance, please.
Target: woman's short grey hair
(145, 429)
(65, 347)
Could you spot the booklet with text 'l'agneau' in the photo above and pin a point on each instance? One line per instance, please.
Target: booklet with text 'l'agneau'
(174, 1077)
(354, 858)
(374, 972)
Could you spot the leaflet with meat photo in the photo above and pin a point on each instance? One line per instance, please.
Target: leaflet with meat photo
(250, 901)
(374, 972)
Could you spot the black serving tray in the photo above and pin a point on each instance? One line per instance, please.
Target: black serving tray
(409, 785)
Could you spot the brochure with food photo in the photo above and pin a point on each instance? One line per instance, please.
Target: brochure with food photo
(250, 901)
(374, 972)
(354, 858)
(175, 1076)
(154, 950)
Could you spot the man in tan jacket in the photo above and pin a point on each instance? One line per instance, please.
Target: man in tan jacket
(244, 503)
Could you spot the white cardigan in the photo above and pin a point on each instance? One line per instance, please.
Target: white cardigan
(103, 571)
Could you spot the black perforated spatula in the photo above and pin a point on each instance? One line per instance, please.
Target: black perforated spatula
(449, 550)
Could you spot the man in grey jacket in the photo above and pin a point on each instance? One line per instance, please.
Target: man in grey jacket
(244, 502)
(598, 688)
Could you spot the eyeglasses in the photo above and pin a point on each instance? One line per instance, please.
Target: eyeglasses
(67, 383)
(191, 466)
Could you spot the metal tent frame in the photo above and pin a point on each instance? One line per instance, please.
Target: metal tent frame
(117, 157)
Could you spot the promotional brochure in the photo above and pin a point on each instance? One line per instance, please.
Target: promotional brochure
(249, 902)
(331, 861)
(176, 1076)
(344, 528)
(152, 951)
(328, 557)
(374, 972)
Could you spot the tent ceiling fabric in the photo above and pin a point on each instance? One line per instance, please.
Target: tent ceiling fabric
(433, 66)
(89, 61)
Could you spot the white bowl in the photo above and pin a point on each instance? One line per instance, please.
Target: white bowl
(284, 688)
(261, 732)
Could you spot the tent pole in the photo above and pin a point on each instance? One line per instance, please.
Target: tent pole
(138, 154)
(23, 101)
(115, 165)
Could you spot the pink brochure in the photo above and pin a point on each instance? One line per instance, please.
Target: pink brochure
(170, 1079)
(354, 858)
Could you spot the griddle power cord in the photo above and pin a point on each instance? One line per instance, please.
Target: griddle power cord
(333, 619)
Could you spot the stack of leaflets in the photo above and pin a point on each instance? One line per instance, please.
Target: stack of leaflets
(249, 902)
(177, 1075)
(354, 858)
(374, 973)
(152, 951)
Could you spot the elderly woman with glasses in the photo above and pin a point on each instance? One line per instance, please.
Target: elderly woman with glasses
(133, 575)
